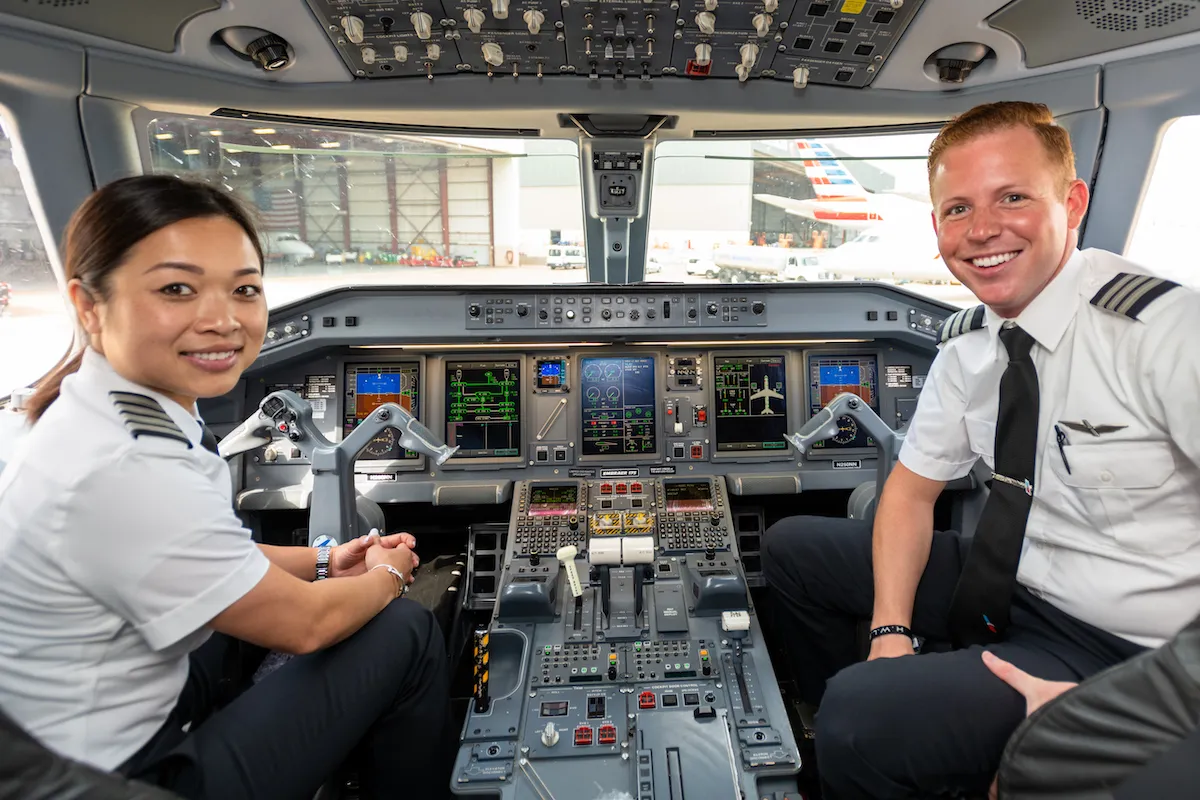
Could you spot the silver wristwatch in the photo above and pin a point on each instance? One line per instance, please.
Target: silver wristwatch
(323, 554)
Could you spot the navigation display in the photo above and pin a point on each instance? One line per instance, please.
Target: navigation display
(688, 496)
(368, 386)
(483, 408)
(618, 406)
(751, 403)
(553, 501)
(829, 376)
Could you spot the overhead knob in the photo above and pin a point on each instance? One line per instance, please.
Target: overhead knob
(368, 55)
(710, 5)
(423, 24)
(800, 77)
(743, 72)
(500, 9)
(474, 18)
(522, 311)
(433, 52)
(493, 54)
(474, 310)
(703, 54)
(543, 314)
(771, 6)
(353, 26)
(749, 52)
(549, 735)
(712, 309)
(762, 24)
(400, 52)
(607, 314)
(270, 454)
(534, 20)
(758, 307)
(706, 21)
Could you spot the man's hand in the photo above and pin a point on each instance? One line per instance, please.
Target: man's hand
(350, 558)
(1037, 691)
(892, 645)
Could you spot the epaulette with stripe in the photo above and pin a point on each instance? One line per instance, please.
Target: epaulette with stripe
(960, 322)
(143, 416)
(1129, 294)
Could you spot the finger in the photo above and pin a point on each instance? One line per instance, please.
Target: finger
(1016, 678)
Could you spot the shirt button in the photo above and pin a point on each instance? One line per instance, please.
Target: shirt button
(1106, 476)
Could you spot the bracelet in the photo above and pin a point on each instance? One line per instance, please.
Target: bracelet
(323, 562)
(887, 630)
(401, 584)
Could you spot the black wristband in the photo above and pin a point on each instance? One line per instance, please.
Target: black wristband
(886, 630)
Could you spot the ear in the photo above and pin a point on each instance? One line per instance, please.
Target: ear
(933, 219)
(85, 306)
(1078, 198)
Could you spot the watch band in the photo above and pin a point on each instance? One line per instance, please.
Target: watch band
(323, 554)
(900, 630)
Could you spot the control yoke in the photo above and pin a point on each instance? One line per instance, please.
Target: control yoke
(824, 425)
(284, 414)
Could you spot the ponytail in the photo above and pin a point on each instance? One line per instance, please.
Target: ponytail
(49, 386)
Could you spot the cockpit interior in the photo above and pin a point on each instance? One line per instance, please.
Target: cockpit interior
(586, 296)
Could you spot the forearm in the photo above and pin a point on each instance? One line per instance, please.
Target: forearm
(298, 561)
(344, 606)
(900, 548)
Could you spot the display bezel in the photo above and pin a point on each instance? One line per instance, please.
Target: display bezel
(374, 466)
(840, 452)
(458, 462)
(792, 416)
(657, 359)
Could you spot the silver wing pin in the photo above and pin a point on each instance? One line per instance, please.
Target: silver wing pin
(1094, 430)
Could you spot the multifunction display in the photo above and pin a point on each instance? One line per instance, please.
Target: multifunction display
(368, 386)
(751, 403)
(688, 496)
(483, 408)
(829, 376)
(553, 501)
(618, 406)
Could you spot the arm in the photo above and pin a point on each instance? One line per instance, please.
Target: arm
(900, 550)
(1167, 363)
(300, 562)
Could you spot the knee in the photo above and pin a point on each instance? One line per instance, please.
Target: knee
(855, 728)
(791, 546)
(409, 628)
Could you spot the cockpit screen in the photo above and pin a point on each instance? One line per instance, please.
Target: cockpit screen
(618, 406)
(751, 397)
(368, 386)
(688, 496)
(829, 376)
(483, 408)
(553, 501)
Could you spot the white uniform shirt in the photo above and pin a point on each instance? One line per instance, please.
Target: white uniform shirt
(115, 552)
(1114, 541)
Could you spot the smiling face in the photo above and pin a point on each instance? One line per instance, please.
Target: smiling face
(184, 314)
(1006, 220)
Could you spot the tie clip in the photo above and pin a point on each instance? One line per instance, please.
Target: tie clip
(1026, 485)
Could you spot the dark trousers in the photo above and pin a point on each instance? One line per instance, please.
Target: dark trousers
(933, 725)
(378, 700)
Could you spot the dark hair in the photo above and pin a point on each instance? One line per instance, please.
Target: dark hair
(106, 227)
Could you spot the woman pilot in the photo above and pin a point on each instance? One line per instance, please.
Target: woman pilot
(120, 554)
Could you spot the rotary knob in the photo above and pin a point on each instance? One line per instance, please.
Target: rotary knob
(758, 306)
(543, 314)
(606, 313)
(712, 309)
(634, 314)
(353, 26)
(474, 310)
(474, 18)
(522, 311)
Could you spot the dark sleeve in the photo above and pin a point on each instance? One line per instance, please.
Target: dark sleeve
(1173, 775)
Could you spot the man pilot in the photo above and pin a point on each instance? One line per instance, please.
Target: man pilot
(1075, 382)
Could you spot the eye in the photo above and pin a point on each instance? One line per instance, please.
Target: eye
(249, 291)
(955, 210)
(1014, 198)
(177, 290)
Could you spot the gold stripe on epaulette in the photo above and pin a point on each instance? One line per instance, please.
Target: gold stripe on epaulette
(143, 416)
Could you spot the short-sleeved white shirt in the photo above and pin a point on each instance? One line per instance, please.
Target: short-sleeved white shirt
(1113, 536)
(116, 550)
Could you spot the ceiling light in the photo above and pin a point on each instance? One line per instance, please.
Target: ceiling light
(262, 131)
(281, 147)
(162, 137)
(191, 152)
(215, 133)
(329, 145)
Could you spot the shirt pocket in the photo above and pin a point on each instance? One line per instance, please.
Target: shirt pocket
(1132, 492)
(981, 433)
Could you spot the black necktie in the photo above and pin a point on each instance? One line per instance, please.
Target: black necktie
(979, 612)
(208, 439)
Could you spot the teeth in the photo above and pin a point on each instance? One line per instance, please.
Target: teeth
(994, 261)
(212, 356)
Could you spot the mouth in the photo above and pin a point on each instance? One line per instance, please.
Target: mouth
(994, 260)
(213, 360)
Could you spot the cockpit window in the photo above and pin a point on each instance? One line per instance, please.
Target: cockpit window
(1166, 222)
(771, 210)
(35, 328)
(341, 207)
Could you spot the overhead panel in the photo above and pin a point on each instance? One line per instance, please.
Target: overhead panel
(146, 24)
(1053, 31)
(835, 42)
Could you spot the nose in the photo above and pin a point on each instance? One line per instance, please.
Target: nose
(985, 225)
(217, 312)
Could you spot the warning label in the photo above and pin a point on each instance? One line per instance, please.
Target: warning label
(898, 377)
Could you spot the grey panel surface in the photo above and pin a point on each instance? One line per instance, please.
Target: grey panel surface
(113, 139)
(43, 113)
(148, 24)
(1142, 97)
(1053, 31)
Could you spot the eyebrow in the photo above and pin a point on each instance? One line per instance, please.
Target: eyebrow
(195, 270)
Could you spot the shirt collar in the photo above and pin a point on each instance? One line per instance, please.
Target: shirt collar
(95, 368)
(1048, 315)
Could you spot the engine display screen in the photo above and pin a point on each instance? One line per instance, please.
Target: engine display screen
(751, 403)
(368, 386)
(689, 496)
(618, 406)
(483, 408)
(829, 376)
(553, 501)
